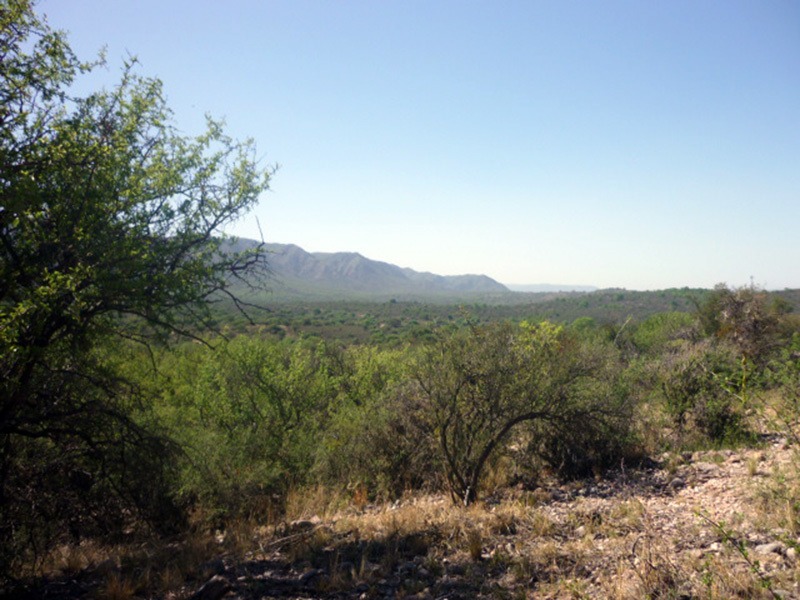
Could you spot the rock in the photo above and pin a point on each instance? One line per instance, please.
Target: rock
(346, 567)
(456, 569)
(213, 589)
(676, 484)
(308, 576)
(791, 553)
(705, 467)
(772, 547)
(423, 595)
(107, 566)
(407, 567)
(706, 471)
(304, 524)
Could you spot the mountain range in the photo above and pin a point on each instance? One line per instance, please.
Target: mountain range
(296, 272)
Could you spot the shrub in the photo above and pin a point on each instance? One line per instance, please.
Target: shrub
(374, 440)
(481, 384)
(248, 417)
(701, 384)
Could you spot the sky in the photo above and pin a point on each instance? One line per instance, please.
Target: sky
(633, 144)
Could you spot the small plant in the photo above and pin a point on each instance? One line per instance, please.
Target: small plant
(360, 496)
(735, 541)
(474, 543)
(541, 524)
(752, 466)
(117, 587)
(658, 576)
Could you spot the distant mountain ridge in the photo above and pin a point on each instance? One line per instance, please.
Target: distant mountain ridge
(301, 273)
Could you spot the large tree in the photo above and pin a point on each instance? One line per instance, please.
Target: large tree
(110, 224)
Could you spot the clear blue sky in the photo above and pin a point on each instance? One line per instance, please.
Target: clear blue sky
(641, 144)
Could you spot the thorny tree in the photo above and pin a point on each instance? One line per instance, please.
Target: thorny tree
(109, 230)
(480, 384)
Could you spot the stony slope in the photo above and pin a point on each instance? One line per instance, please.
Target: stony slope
(705, 525)
(693, 526)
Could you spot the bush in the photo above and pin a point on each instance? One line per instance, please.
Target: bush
(484, 386)
(248, 416)
(374, 440)
(701, 387)
(597, 429)
(657, 333)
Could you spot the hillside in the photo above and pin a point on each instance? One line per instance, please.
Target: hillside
(317, 275)
(692, 525)
(707, 525)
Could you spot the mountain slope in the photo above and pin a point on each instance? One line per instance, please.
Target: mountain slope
(297, 272)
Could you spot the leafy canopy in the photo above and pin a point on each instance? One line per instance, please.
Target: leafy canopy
(110, 224)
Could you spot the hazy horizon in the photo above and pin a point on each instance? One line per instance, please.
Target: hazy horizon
(619, 144)
(518, 286)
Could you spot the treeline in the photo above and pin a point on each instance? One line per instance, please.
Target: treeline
(400, 322)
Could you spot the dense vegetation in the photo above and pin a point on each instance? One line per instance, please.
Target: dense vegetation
(472, 404)
(399, 322)
(134, 401)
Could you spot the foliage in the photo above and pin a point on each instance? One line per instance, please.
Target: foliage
(596, 432)
(745, 317)
(701, 385)
(248, 415)
(783, 374)
(480, 384)
(660, 331)
(259, 418)
(108, 220)
(375, 438)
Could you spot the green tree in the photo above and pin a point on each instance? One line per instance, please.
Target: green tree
(248, 415)
(109, 230)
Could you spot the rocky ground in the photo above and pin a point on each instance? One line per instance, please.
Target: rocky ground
(714, 524)
(705, 524)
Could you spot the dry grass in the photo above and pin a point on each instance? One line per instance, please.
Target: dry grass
(116, 587)
(152, 567)
(777, 498)
(318, 500)
(542, 544)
